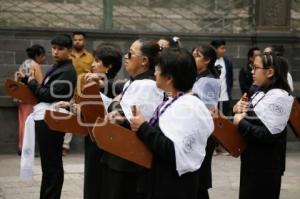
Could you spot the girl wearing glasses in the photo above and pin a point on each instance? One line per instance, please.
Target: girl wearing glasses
(208, 89)
(120, 175)
(178, 131)
(263, 123)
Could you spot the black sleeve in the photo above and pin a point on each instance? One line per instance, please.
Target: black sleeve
(60, 91)
(256, 132)
(159, 144)
(126, 124)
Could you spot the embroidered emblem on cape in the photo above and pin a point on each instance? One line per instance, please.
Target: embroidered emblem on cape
(188, 143)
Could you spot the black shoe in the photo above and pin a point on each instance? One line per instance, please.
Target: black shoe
(19, 152)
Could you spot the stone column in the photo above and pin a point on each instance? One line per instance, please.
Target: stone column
(273, 15)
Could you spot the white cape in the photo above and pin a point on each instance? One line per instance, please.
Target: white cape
(28, 148)
(188, 123)
(105, 100)
(143, 93)
(273, 109)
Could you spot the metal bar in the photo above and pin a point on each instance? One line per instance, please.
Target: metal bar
(108, 11)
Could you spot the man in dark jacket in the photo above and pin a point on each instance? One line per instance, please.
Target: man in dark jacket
(58, 85)
(245, 76)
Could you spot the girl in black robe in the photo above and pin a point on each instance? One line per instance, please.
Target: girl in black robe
(263, 123)
(208, 88)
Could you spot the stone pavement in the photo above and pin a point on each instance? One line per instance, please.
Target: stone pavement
(225, 178)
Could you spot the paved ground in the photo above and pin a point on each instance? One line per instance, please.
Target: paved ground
(225, 178)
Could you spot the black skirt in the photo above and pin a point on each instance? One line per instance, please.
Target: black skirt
(117, 184)
(92, 170)
(264, 185)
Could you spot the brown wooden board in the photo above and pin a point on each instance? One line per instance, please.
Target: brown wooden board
(20, 91)
(227, 134)
(122, 142)
(91, 105)
(294, 120)
(64, 122)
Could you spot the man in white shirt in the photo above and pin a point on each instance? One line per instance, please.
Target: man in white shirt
(226, 76)
(224, 66)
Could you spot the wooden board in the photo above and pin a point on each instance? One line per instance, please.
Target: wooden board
(20, 91)
(64, 122)
(294, 120)
(227, 134)
(122, 142)
(91, 105)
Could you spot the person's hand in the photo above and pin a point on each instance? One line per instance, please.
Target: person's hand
(137, 120)
(75, 108)
(32, 77)
(19, 75)
(242, 106)
(61, 104)
(115, 117)
(92, 77)
(238, 117)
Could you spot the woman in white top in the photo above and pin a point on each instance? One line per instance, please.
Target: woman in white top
(32, 65)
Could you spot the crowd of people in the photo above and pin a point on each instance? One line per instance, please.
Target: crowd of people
(176, 92)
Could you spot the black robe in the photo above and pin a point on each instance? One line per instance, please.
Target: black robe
(119, 176)
(93, 174)
(162, 180)
(205, 174)
(263, 161)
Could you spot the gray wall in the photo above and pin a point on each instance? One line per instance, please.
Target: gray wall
(13, 43)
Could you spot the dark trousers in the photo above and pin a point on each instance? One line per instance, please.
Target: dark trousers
(92, 170)
(203, 194)
(260, 185)
(50, 145)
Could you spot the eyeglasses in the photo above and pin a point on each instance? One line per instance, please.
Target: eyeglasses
(254, 68)
(129, 55)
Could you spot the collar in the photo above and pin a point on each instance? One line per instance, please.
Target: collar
(82, 54)
(58, 64)
(149, 74)
(205, 73)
